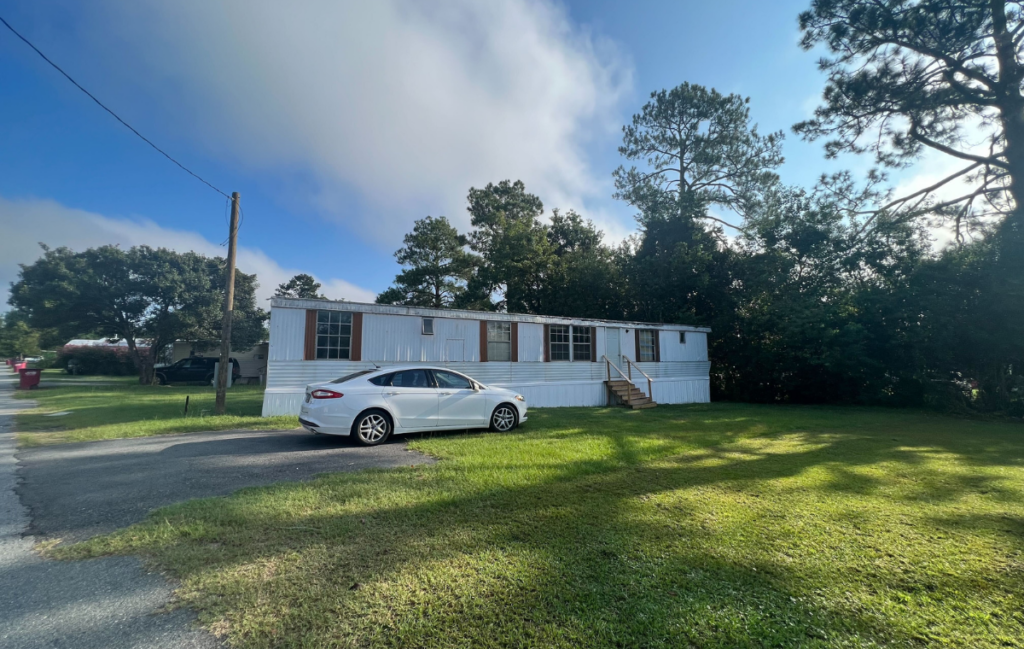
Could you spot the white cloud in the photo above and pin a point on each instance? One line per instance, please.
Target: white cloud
(402, 103)
(26, 223)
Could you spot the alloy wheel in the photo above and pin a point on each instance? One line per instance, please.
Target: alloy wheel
(504, 419)
(373, 428)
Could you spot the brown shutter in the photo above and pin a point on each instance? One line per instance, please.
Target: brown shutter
(547, 343)
(657, 346)
(636, 350)
(483, 341)
(356, 343)
(309, 351)
(593, 344)
(515, 342)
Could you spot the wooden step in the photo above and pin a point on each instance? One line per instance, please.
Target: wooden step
(641, 406)
(630, 395)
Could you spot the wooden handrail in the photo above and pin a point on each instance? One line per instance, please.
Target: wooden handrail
(609, 364)
(650, 388)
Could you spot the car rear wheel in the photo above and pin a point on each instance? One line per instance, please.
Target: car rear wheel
(372, 428)
(504, 418)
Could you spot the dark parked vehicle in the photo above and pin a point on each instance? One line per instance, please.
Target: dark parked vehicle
(194, 370)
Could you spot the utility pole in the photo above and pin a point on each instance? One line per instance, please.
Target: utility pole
(229, 307)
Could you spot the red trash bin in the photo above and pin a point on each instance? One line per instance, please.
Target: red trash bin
(19, 366)
(29, 379)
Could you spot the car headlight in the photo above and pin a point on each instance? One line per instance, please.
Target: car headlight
(520, 397)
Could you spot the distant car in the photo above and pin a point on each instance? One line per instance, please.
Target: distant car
(197, 369)
(371, 405)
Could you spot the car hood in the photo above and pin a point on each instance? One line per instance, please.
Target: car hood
(502, 391)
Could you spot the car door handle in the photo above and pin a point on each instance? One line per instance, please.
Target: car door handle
(391, 393)
(446, 394)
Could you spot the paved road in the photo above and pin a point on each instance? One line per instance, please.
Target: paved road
(75, 491)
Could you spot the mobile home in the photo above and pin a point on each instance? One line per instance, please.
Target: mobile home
(552, 361)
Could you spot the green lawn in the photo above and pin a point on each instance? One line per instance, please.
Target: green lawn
(123, 408)
(688, 526)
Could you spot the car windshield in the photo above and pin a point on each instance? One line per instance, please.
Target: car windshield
(349, 377)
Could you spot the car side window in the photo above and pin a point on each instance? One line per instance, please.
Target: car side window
(383, 379)
(452, 381)
(411, 379)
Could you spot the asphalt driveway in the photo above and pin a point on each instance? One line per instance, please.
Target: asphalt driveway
(75, 491)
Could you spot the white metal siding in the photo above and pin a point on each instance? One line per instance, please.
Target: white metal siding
(695, 349)
(400, 339)
(692, 391)
(531, 343)
(287, 334)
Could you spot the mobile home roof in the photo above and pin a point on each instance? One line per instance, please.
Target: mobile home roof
(390, 309)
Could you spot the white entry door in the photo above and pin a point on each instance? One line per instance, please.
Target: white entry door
(613, 346)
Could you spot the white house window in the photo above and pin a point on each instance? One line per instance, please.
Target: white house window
(682, 337)
(428, 326)
(333, 334)
(646, 346)
(581, 343)
(559, 343)
(499, 341)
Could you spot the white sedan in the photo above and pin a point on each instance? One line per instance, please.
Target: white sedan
(372, 404)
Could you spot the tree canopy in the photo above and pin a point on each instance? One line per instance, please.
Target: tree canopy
(906, 76)
(300, 286)
(436, 266)
(150, 297)
(699, 150)
(819, 297)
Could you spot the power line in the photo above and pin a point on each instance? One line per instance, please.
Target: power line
(100, 104)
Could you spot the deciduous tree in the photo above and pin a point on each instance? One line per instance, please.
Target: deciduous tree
(144, 295)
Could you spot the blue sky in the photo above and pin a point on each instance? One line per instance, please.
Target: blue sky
(342, 123)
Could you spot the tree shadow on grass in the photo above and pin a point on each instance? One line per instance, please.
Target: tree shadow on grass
(671, 541)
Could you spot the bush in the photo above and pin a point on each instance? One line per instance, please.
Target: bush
(96, 360)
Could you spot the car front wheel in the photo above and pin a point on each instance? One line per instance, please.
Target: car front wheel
(372, 428)
(504, 418)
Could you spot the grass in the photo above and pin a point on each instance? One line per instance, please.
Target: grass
(126, 409)
(716, 525)
(53, 374)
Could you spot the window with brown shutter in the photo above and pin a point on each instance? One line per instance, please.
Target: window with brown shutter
(356, 353)
(332, 335)
(547, 343)
(309, 349)
(483, 341)
(593, 344)
(499, 341)
(515, 342)
(646, 345)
